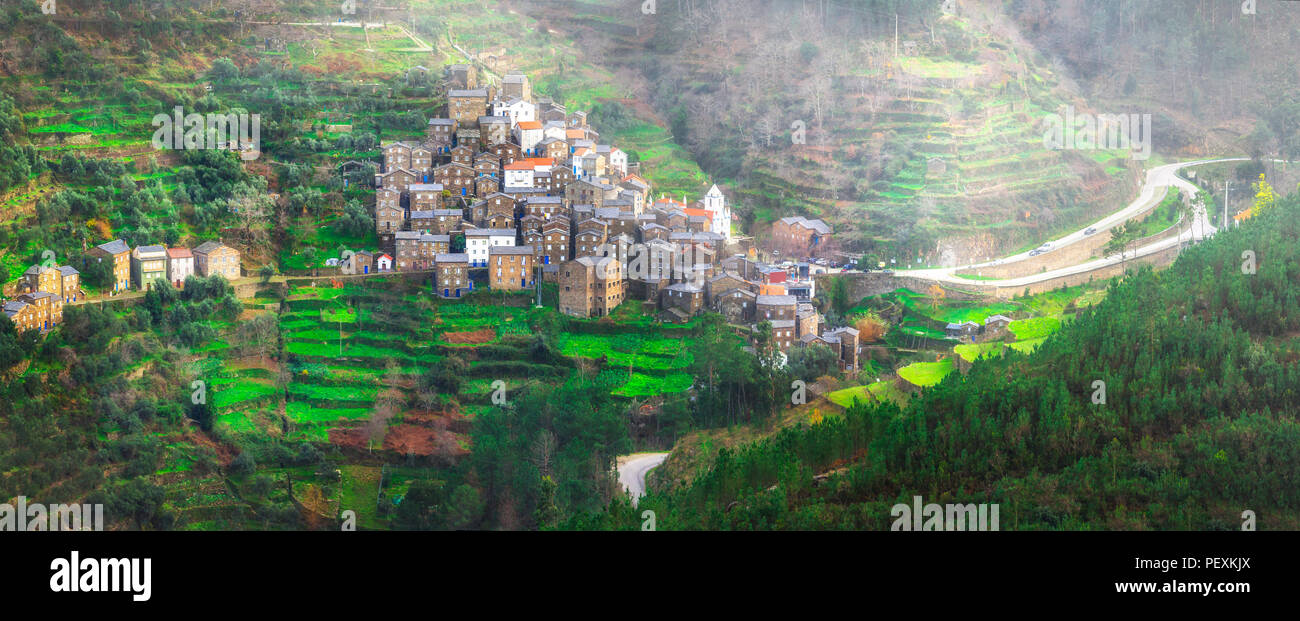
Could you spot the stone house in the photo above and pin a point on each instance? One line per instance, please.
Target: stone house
(463, 155)
(42, 278)
(515, 85)
(70, 285)
(440, 135)
(399, 179)
(510, 268)
(389, 215)
(799, 236)
(23, 315)
(467, 105)
(590, 286)
(453, 275)
(783, 333)
(687, 297)
(735, 305)
(507, 152)
(458, 178)
(47, 309)
(544, 207)
(848, 339)
(461, 76)
(213, 257)
(486, 184)
(996, 325)
(397, 155)
(436, 221)
(774, 308)
(590, 238)
(493, 130)
(425, 196)
(119, 254)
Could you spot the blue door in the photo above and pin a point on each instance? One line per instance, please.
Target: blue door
(446, 293)
(365, 270)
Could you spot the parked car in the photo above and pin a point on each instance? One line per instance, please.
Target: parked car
(1035, 252)
(1090, 231)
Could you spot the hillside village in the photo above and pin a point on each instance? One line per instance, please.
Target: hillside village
(521, 188)
(525, 265)
(45, 289)
(519, 191)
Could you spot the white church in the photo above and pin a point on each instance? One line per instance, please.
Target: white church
(715, 203)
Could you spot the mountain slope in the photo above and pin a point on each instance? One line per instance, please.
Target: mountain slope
(1197, 422)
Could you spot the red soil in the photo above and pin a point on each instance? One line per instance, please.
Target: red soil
(476, 337)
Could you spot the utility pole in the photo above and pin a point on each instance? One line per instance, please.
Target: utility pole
(1227, 189)
(895, 34)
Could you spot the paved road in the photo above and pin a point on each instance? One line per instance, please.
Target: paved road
(633, 468)
(1158, 179)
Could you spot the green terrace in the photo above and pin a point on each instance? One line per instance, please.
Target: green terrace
(345, 346)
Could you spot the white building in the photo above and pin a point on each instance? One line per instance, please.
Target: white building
(517, 109)
(556, 130)
(618, 161)
(716, 204)
(528, 134)
(518, 175)
(478, 242)
(180, 265)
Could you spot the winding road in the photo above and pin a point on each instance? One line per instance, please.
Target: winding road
(1153, 191)
(633, 468)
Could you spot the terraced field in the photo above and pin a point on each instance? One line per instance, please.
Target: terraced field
(651, 365)
(884, 390)
(350, 351)
(926, 373)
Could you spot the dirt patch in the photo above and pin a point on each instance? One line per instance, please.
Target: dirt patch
(349, 437)
(225, 454)
(475, 337)
(423, 441)
(253, 362)
(452, 420)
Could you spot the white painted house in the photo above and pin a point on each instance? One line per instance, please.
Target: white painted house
(528, 134)
(478, 243)
(556, 130)
(518, 175)
(618, 161)
(517, 109)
